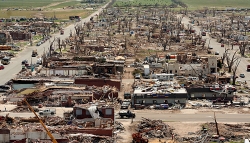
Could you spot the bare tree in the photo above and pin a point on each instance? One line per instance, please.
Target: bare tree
(82, 34)
(50, 47)
(231, 61)
(242, 48)
(119, 26)
(59, 44)
(77, 29)
(165, 42)
(234, 69)
(224, 55)
(88, 24)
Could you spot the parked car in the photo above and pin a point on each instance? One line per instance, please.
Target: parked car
(217, 53)
(38, 44)
(24, 62)
(39, 61)
(210, 47)
(137, 76)
(146, 77)
(125, 104)
(1, 66)
(180, 77)
(242, 75)
(164, 106)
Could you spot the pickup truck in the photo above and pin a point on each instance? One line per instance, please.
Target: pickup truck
(126, 113)
(47, 112)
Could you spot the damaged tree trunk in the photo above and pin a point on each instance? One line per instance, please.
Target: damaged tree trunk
(59, 45)
(234, 70)
(242, 48)
(230, 62)
(50, 47)
(216, 124)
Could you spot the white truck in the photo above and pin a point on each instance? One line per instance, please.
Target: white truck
(47, 112)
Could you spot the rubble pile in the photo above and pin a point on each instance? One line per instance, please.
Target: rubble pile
(88, 138)
(229, 132)
(154, 128)
(118, 126)
(31, 119)
(54, 121)
(23, 109)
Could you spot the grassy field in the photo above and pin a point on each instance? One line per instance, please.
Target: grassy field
(59, 14)
(141, 2)
(70, 3)
(26, 3)
(198, 4)
(192, 4)
(7, 14)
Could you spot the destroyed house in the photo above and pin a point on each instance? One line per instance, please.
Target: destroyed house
(211, 92)
(82, 112)
(151, 96)
(98, 48)
(18, 35)
(67, 70)
(104, 68)
(3, 38)
(98, 82)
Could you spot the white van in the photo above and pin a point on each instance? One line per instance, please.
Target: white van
(180, 77)
(193, 78)
(39, 61)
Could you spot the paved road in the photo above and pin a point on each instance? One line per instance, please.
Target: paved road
(15, 65)
(198, 117)
(217, 47)
(167, 117)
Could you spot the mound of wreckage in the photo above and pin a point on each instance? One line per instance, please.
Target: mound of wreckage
(62, 130)
(148, 129)
(225, 133)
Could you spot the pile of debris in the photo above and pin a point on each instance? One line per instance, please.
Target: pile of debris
(154, 128)
(118, 127)
(23, 109)
(31, 120)
(227, 132)
(230, 131)
(54, 121)
(88, 138)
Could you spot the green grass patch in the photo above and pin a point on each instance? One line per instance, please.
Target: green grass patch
(199, 4)
(37, 37)
(7, 14)
(123, 3)
(27, 91)
(65, 4)
(26, 3)
(49, 14)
